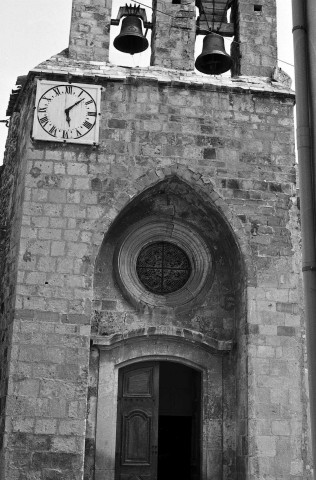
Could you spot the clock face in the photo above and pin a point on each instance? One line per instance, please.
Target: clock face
(66, 112)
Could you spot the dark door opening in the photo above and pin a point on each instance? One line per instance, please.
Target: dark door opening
(174, 448)
(178, 422)
(158, 432)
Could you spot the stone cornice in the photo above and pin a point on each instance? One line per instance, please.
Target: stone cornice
(62, 65)
(167, 332)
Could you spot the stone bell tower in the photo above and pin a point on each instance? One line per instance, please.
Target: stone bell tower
(150, 292)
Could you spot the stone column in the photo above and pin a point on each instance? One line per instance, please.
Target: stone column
(173, 37)
(90, 30)
(254, 51)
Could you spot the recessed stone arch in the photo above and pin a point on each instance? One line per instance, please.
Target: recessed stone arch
(201, 184)
(171, 204)
(166, 197)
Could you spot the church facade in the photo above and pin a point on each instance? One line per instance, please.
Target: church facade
(150, 289)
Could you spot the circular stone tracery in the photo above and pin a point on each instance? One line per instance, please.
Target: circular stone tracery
(151, 231)
(163, 267)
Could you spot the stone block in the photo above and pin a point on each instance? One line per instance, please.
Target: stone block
(56, 460)
(108, 304)
(286, 307)
(286, 331)
(266, 445)
(65, 444)
(46, 264)
(77, 169)
(281, 427)
(57, 196)
(58, 248)
(74, 211)
(49, 233)
(264, 351)
(45, 426)
(22, 424)
(77, 249)
(71, 427)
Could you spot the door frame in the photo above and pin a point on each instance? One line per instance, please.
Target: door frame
(138, 349)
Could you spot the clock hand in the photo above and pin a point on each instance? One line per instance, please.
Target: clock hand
(67, 110)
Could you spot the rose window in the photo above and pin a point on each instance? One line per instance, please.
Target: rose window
(163, 267)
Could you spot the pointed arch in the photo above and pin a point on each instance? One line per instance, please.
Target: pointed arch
(171, 198)
(203, 187)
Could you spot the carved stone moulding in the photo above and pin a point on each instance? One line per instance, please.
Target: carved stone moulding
(182, 236)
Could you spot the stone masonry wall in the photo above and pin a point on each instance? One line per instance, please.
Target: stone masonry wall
(232, 142)
(11, 198)
(42, 374)
(90, 30)
(254, 50)
(173, 37)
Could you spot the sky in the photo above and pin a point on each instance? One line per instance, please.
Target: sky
(33, 30)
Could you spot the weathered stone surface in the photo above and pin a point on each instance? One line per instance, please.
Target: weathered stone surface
(216, 154)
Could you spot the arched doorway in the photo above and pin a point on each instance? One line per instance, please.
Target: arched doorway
(158, 422)
(197, 324)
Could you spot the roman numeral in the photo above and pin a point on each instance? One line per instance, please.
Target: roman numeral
(53, 131)
(87, 124)
(65, 134)
(56, 90)
(92, 114)
(69, 89)
(90, 101)
(42, 110)
(43, 121)
(80, 93)
(45, 98)
(78, 133)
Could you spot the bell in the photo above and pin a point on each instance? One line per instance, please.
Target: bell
(131, 39)
(213, 59)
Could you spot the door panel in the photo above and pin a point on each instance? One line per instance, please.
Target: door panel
(138, 382)
(137, 430)
(159, 398)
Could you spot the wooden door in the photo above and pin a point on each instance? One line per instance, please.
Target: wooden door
(137, 429)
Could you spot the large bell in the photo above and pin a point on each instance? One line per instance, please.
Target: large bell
(131, 39)
(213, 59)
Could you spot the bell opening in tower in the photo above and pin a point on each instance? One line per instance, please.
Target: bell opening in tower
(214, 37)
(130, 34)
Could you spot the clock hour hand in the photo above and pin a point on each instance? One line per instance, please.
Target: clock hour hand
(67, 117)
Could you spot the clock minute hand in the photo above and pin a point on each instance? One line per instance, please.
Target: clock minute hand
(67, 110)
(72, 106)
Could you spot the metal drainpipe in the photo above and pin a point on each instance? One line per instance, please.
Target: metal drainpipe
(306, 156)
(311, 51)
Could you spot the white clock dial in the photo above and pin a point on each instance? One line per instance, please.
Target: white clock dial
(66, 111)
